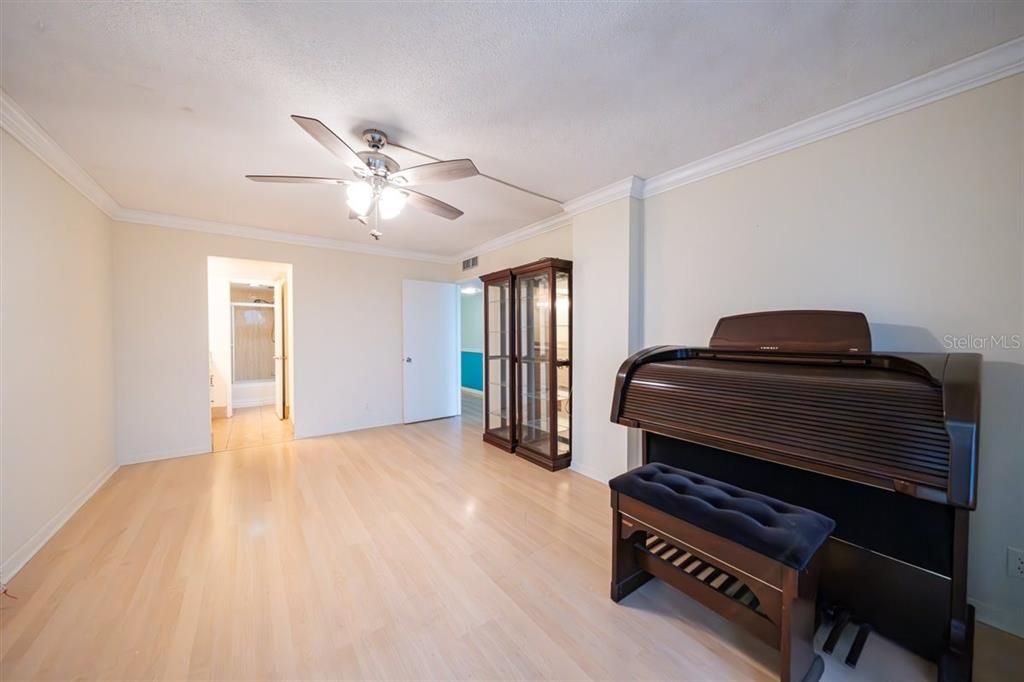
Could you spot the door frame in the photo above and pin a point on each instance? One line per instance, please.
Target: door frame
(477, 282)
(279, 381)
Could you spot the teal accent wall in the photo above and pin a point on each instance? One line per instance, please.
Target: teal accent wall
(473, 370)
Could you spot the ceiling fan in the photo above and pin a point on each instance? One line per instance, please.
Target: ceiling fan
(380, 187)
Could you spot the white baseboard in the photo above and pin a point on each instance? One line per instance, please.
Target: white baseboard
(589, 473)
(1010, 620)
(335, 431)
(35, 543)
(167, 454)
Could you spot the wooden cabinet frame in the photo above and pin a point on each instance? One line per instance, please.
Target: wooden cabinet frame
(546, 455)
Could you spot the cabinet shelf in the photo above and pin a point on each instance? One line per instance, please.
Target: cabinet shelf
(537, 359)
(561, 395)
(542, 425)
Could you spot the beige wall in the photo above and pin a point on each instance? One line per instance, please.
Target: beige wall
(605, 329)
(56, 356)
(918, 221)
(347, 317)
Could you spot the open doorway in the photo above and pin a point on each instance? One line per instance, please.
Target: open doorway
(471, 349)
(250, 342)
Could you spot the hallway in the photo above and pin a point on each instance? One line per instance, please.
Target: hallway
(250, 426)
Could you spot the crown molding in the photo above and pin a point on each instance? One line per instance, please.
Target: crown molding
(20, 125)
(128, 215)
(627, 187)
(522, 234)
(974, 71)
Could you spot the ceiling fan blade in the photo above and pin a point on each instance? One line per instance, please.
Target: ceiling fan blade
(334, 144)
(441, 171)
(432, 205)
(297, 179)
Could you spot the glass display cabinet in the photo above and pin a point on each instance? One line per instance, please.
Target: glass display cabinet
(540, 377)
(499, 376)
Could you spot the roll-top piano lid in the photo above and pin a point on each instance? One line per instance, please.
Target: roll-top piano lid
(794, 330)
(907, 422)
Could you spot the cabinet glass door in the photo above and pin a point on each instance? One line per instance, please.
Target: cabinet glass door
(499, 417)
(563, 362)
(535, 362)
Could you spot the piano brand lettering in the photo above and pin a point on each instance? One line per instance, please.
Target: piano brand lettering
(972, 342)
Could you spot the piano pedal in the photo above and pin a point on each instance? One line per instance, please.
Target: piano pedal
(858, 645)
(842, 618)
(836, 619)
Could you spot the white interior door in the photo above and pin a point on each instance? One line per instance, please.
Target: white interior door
(278, 351)
(430, 342)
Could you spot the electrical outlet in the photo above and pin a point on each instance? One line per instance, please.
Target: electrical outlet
(1015, 562)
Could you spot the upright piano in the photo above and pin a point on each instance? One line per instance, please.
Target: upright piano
(795, 405)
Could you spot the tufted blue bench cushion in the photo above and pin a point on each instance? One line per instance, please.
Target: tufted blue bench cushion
(787, 533)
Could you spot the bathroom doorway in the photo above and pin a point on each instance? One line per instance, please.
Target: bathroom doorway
(250, 330)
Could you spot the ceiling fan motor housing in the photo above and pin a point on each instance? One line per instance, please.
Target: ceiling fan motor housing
(379, 164)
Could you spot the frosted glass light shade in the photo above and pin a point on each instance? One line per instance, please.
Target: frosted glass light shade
(360, 197)
(391, 202)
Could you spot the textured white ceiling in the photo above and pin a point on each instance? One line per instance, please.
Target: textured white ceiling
(167, 106)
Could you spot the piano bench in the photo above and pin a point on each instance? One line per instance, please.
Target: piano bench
(749, 557)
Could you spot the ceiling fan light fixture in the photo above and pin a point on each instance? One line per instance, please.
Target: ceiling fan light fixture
(381, 182)
(391, 202)
(359, 197)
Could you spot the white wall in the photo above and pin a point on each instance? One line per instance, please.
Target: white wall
(347, 315)
(918, 221)
(56, 357)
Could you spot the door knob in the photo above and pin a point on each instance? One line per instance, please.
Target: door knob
(408, 359)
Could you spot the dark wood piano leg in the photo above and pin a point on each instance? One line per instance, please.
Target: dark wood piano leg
(626, 572)
(957, 662)
(797, 660)
(958, 667)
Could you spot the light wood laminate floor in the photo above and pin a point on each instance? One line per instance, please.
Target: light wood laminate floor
(472, 407)
(249, 426)
(411, 552)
